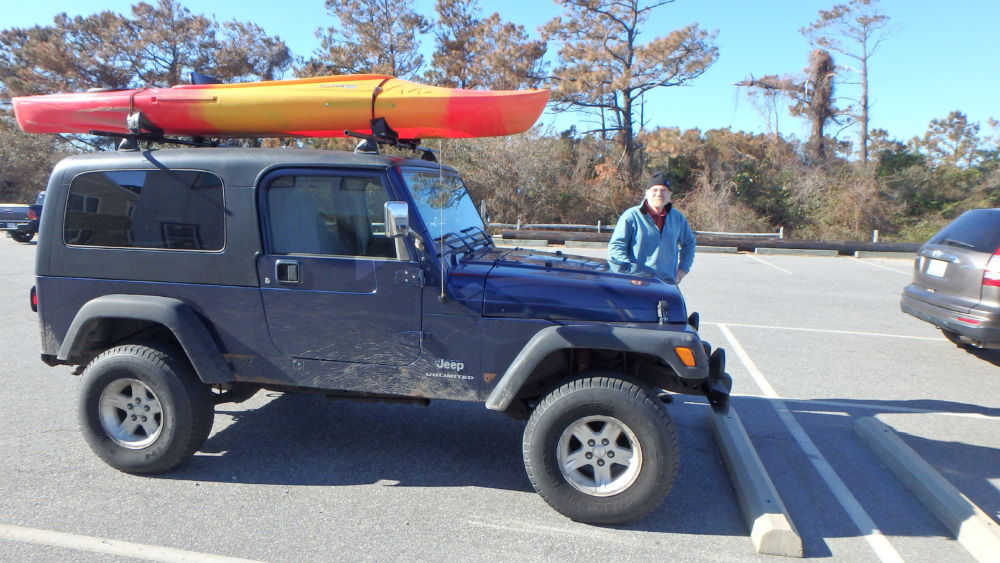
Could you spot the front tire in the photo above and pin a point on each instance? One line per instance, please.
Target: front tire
(601, 450)
(142, 409)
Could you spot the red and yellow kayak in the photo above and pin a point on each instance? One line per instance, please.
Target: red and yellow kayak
(308, 107)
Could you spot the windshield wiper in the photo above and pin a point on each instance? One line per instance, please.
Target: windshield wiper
(470, 238)
(477, 231)
(962, 243)
(451, 238)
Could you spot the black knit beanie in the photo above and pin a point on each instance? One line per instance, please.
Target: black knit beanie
(657, 180)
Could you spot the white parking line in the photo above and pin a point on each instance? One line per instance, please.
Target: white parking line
(883, 549)
(109, 547)
(762, 261)
(906, 273)
(845, 406)
(830, 331)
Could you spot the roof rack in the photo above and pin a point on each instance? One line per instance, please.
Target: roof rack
(140, 129)
(382, 134)
(130, 141)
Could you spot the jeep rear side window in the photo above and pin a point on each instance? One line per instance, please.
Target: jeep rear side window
(332, 215)
(155, 209)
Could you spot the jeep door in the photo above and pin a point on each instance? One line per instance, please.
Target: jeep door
(332, 285)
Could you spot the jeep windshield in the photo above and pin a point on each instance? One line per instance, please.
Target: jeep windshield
(446, 209)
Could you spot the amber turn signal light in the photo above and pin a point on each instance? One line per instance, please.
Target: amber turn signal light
(686, 355)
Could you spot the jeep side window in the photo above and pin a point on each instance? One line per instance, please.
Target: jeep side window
(155, 209)
(328, 215)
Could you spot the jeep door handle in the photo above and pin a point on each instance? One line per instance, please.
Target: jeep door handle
(288, 271)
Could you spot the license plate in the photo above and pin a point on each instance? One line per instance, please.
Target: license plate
(10, 225)
(936, 268)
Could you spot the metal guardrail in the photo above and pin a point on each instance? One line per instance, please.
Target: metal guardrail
(600, 227)
(739, 241)
(779, 234)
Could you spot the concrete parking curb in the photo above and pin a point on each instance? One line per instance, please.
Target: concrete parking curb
(771, 529)
(797, 251)
(519, 242)
(716, 249)
(872, 254)
(976, 531)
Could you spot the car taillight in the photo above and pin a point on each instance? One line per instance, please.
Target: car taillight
(991, 276)
(32, 214)
(34, 300)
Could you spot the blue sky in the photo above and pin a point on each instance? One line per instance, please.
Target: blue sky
(943, 56)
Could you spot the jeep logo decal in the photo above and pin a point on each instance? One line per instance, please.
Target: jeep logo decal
(450, 364)
(448, 367)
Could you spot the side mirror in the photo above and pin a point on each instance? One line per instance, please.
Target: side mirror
(397, 219)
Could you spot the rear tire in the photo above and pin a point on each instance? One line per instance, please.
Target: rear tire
(601, 450)
(142, 409)
(22, 237)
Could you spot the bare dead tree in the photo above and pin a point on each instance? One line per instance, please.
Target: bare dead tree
(855, 30)
(811, 96)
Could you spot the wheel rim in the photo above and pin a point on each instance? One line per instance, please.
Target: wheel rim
(131, 413)
(599, 455)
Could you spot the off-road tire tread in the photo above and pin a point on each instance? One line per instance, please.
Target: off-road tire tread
(171, 360)
(614, 382)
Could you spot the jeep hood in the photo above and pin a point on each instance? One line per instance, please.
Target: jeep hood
(551, 285)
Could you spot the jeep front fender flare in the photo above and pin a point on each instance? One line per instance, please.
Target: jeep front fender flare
(178, 317)
(659, 343)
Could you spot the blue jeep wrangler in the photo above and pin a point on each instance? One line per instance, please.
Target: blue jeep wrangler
(177, 279)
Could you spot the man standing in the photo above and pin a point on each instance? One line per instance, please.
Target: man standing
(653, 237)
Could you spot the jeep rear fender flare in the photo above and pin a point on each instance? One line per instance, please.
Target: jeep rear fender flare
(659, 343)
(178, 317)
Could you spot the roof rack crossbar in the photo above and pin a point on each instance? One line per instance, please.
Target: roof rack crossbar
(382, 134)
(130, 141)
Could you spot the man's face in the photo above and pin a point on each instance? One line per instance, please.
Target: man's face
(658, 196)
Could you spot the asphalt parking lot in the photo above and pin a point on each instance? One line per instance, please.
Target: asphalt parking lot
(814, 344)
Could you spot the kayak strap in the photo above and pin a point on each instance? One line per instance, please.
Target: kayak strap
(375, 92)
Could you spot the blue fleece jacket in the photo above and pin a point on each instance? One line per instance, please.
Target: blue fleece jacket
(638, 246)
